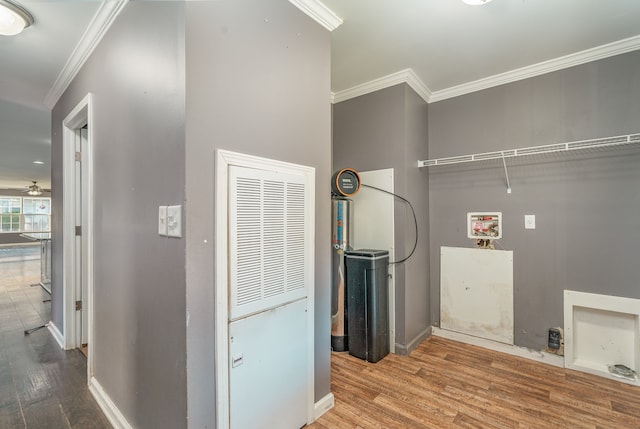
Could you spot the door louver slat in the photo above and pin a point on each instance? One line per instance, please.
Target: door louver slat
(267, 240)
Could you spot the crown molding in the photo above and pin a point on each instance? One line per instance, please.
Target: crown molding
(578, 58)
(319, 13)
(403, 76)
(105, 16)
(409, 77)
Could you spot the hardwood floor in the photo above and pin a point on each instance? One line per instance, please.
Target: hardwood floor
(446, 384)
(41, 386)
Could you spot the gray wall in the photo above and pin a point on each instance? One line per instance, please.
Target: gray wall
(388, 129)
(137, 77)
(587, 206)
(258, 82)
(10, 238)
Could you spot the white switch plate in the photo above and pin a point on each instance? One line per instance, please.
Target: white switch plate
(174, 221)
(162, 220)
(529, 221)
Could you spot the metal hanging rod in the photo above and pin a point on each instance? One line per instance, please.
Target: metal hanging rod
(629, 139)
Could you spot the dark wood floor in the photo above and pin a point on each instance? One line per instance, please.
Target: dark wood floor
(41, 386)
(446, 384)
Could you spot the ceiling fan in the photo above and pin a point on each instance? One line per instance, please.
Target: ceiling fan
(33, 189)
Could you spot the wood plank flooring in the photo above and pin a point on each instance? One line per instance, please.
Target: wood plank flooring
(446, 384)
(41, 386)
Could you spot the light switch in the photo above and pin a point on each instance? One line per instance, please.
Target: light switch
(174, 221)
(529, 221)
(162, 220)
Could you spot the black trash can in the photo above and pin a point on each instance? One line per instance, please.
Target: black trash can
(367, 278)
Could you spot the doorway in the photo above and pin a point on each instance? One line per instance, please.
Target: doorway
(78, 228)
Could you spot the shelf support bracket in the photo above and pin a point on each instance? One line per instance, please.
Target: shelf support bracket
(506, 173)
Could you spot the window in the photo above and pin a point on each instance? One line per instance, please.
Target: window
(10, 214)
(36, 214)
(26, 214)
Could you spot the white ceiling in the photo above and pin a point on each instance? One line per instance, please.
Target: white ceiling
(32, 62)
(447, 43)
(443, 47)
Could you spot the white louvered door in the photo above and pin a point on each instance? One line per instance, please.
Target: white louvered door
(269, 275)
(267, 240)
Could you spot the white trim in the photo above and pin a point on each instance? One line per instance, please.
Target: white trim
(319, 12)
(223, 159)
(55, 332)
(111, 412)
(323, 405)
(513, 350)
(105, 16)
(407, 76)
(221, 291)
(582, 57)
(81, 115)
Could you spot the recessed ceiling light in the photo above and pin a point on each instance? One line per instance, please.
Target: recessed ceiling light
(38, 162)
(13, 18)
(476, 2)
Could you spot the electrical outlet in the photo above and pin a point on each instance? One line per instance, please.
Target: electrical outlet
(529, 221)
(174, 221)
(162, 220)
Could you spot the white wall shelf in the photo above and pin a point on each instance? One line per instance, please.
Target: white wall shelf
(629, 139)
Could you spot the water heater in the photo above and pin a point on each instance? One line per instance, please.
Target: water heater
(342, 239)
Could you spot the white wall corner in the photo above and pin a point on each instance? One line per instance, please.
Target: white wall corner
(111, 412)
(57, 335)
(407, 76)
(101, 22)
(323, 405)
(319, 13)
(418, 85)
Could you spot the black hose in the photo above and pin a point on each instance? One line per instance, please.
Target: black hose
(415, 221)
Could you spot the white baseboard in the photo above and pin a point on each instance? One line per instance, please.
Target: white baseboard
(323, 405)
(524, 352)
(56, 334)
(107, 406)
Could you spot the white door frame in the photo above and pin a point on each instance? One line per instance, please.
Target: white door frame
(223, 159)
(80, 116)
(379, 236)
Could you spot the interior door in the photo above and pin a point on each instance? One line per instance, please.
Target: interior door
(81, 200)
(268, 287)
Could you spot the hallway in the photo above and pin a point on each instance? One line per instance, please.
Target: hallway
(41, 386)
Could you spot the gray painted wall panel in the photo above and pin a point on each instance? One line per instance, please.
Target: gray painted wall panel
(416, 191)
(258, 82)
(137, 77)
(388, 129)
(585, 204)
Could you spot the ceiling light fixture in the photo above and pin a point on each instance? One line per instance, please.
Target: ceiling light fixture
(39, 162)
(34, 189)
(476, 2)
(13, 18)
